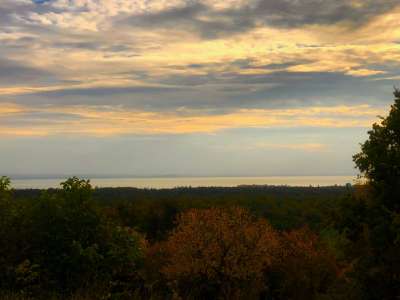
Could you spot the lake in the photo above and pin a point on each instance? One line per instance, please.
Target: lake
(171, 182)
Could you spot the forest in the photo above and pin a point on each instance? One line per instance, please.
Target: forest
(249, 242)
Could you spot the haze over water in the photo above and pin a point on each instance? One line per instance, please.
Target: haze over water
(171, 182)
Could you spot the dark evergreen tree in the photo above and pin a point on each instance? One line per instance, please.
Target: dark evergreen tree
(379, 159)
(379, 162)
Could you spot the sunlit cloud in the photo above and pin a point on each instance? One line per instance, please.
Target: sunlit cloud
(106, 121)
(10, 108)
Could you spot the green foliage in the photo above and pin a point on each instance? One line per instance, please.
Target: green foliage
(27, 276)
(8, 220)
(5, 194)
(62, 242)
(153, 212)
(335, 241)
(379, 159)
(5, 184)
(76, 190)
(370, 218)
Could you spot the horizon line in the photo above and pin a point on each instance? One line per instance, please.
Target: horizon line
(127, 176)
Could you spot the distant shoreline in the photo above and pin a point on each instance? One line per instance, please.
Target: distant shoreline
(94, 176)
(174, 182)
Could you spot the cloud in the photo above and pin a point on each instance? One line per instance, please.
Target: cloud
(196, 17)
(218, 57)
(209, 22)
(218, 91)
(107, 91)
(14, 73)
(289, 13)
(106, 120)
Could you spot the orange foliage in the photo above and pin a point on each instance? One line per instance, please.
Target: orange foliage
(221, 253)
(225, 253)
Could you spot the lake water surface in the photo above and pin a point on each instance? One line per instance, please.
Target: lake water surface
(171, 182)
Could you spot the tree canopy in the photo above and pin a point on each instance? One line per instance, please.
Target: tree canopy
(379, 159)
(377, 213)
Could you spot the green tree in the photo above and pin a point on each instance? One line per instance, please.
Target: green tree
(76, 191)
(7, 230)
(5, 184)
(379, 159)
(5, 195)
(379, 163)
(71, 245)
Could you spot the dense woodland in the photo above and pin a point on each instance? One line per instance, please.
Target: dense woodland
(249, 242)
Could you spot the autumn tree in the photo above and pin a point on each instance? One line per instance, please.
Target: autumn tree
(219, 254)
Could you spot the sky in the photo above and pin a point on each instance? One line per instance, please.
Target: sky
(193, 88)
